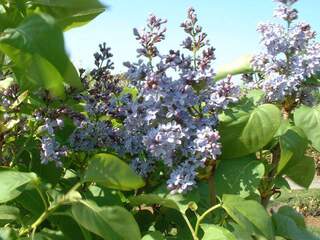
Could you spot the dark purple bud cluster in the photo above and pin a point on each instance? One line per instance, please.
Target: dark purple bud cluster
(150, 36)
(196, 38)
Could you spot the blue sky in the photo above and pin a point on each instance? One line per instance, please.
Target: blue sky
(230, 25)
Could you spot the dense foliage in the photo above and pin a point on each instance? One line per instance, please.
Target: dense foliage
(168, 150)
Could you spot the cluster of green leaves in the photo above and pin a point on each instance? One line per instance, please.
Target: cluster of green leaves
(32, 44)
(98, 196)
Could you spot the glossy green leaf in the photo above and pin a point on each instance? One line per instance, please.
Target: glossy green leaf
(293, 144)
(214, 232)
(249, 213)
(27, 45)
(308, 119)
(240, 66)
(239, 176)
(108, 222)
(12, 182)
(110, 171)
(71, 13)
(245, 130)
(302, 172)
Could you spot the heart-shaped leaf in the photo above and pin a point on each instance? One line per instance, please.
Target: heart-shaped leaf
(110, 171)
(245, 130)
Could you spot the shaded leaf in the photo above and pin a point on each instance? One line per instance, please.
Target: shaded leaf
(293, 144)
(107, 222)
(66, 224)
(162, 196)
(286, 227)
(302, 172)
(239, 176)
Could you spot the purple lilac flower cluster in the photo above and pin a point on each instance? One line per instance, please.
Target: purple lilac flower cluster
(292, 55)
(174, 116)
(102, 88)
(51, 150)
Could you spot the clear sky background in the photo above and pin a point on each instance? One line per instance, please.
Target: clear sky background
(230, 25)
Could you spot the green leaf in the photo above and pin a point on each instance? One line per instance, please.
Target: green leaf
(71, 13)
(240, 66)
(27, 45)
(107, 222)
(30, 200)
(8, 214)
(246, 130)
(239, 232)
(12, 182)
(161, 196)
(293, 144)
(302, 172)
(248, 213)
(110, 171)
(286, 227)
(48, 173)
(153, 236)
(293, 214)
(239, 176)
(103, 196)
(66, 224)
(308, 119)
(214, 232)
(38, 72)
(7, 233)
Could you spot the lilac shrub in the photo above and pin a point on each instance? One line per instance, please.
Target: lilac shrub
(291, 55)
(170, 122)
